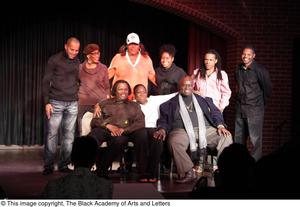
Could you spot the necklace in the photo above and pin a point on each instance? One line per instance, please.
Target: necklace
(190, 107)
(136, 61)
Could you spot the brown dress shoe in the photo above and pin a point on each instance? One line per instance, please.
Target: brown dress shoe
(190, 176)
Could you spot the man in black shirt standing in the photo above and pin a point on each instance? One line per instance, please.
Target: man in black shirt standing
(254, 87)
(60, 91)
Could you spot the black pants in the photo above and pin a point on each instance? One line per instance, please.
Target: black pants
(116, 148)
(152, 152)
(155, 150)
(147, 150)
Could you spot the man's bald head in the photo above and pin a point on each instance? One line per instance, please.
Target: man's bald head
(186, 86)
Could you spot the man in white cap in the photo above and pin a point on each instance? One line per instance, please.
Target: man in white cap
(132, 64)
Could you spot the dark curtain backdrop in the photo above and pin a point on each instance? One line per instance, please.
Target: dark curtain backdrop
(201, 40)
(28, 38)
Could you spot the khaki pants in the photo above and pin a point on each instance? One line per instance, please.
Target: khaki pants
(178, 143)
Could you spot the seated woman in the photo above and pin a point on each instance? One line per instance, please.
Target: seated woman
(120, 120)
(150, 107)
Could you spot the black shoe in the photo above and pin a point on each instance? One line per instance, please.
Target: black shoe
(47, 171)
(65, 170)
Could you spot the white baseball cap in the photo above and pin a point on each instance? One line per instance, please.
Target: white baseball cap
(132, 38)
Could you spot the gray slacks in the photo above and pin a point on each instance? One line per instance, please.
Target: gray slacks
(178, 143)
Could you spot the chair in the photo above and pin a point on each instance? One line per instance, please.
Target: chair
(86, 123)
(125, 162)
(210, 151)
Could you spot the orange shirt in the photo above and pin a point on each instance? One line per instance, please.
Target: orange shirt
(121, 69)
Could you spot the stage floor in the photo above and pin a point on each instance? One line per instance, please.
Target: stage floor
(21, 178)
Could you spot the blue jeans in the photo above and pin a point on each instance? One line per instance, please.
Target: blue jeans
(65, 114)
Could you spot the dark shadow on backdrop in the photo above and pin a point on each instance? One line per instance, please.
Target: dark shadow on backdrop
(295, 87)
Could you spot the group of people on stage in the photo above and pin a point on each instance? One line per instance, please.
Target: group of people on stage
(184, 111)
